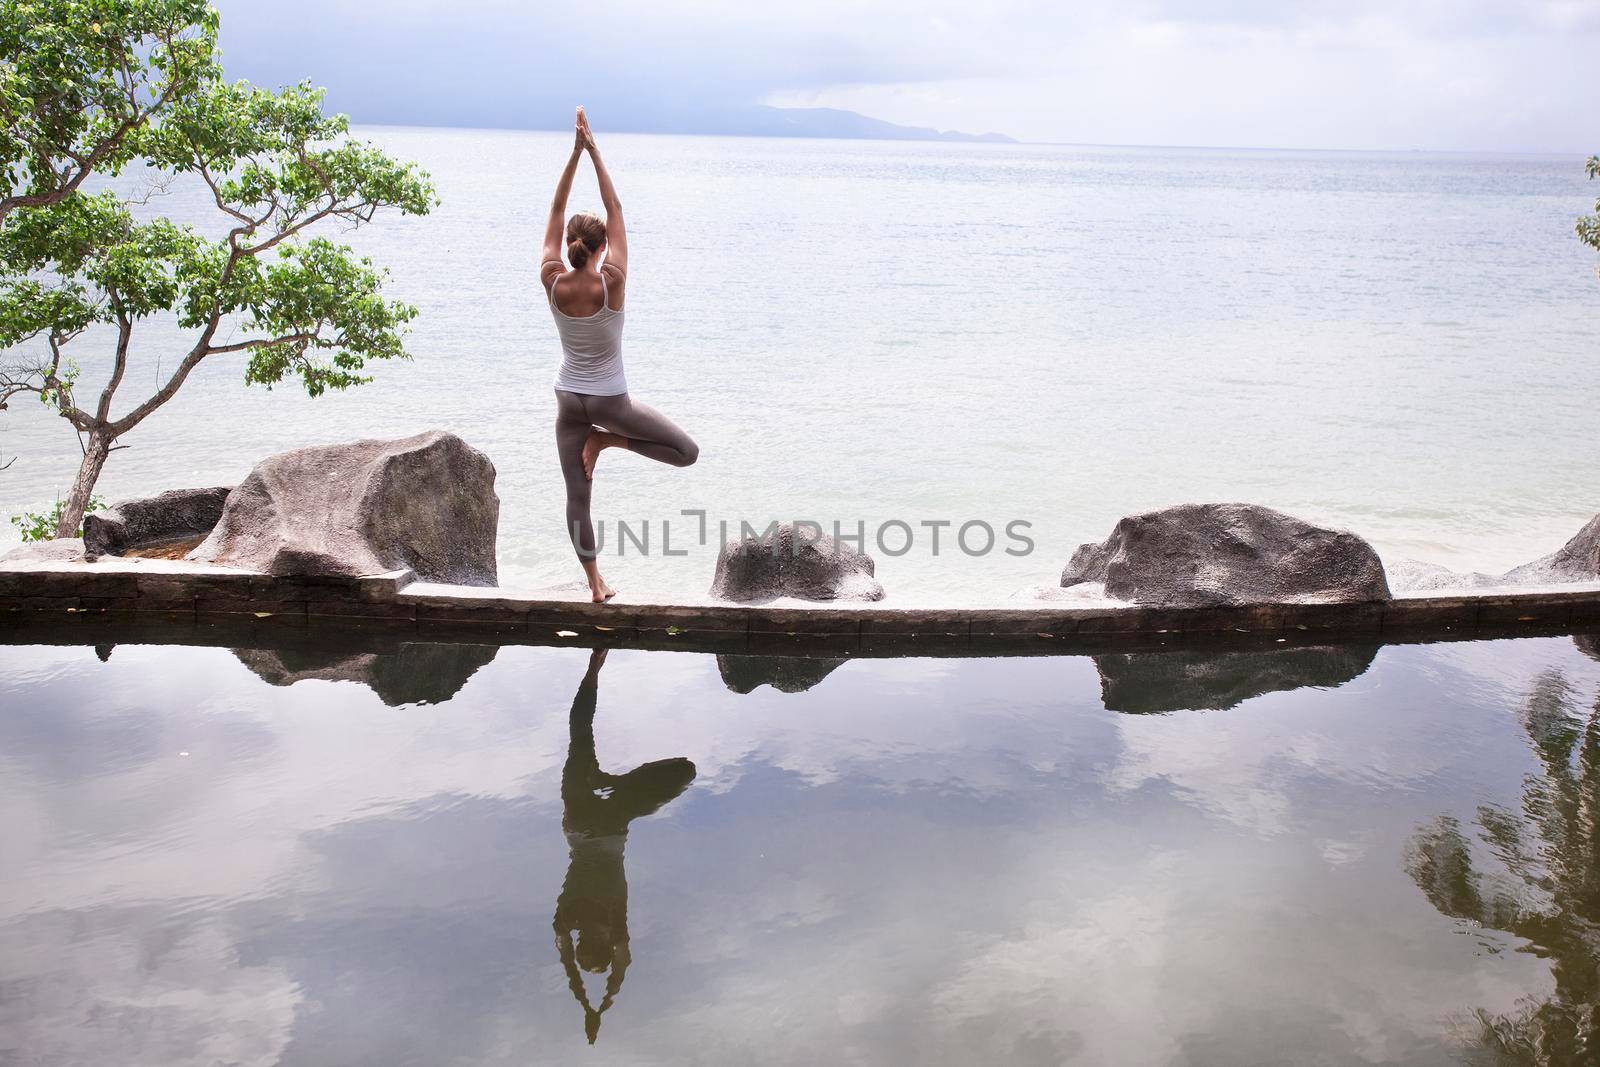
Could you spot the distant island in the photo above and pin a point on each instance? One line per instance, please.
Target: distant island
(740, 120)
(764, 121)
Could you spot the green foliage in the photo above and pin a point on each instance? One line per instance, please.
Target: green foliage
(319, 282)
(1589, 225)
(41, 525)
(79, 79)
(89, 86)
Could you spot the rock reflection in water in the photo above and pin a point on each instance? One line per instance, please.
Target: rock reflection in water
(591, 922)
(786, 674)
(415, 672)
(1536, 876)
(1145, 682)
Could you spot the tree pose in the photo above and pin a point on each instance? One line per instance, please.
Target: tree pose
(593, 409)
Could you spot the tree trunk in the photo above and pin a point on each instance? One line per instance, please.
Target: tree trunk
(94, 461)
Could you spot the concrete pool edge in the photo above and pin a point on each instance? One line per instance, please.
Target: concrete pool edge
(120, 595)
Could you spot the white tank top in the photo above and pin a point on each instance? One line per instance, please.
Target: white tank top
(591, 348)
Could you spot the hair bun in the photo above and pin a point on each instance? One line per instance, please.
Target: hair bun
(586, 234)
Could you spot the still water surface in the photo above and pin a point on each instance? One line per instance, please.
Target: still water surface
(459, 854)
(1403, 344)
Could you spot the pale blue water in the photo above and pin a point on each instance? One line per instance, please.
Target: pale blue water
(1403, 344)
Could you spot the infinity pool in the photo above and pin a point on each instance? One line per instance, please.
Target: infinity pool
(468, 854)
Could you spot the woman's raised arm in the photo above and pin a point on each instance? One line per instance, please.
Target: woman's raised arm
(616, 232)
(550, 264)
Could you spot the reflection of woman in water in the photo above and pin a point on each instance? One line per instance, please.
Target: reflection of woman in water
(591, 921)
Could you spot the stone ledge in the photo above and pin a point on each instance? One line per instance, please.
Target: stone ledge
(79, 626)
(175, 590)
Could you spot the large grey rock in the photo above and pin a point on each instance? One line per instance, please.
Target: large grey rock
(59, 550)
(415, 673)
(174, 516)
(425, 502)
(1576, 561)
(790, 562)
(1202, 555)
(786, 674)
(1146, 682)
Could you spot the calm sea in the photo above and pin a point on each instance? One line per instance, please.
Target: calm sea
(1403, 344)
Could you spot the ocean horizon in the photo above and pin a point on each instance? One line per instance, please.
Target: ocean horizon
(1579, 152)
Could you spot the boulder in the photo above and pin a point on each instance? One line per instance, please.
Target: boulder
(59, 550)
(793, 562)
(175, 516)
(1205, 555)
(425, 502)
(1576, 561)
(1151, 682)
(414, 673)
(786, 674)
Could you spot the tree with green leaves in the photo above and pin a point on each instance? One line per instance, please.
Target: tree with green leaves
(1589, 225)
(89, 87)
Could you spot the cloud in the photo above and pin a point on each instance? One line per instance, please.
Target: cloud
(1486, 73)
(1439, 18)
(648, 65)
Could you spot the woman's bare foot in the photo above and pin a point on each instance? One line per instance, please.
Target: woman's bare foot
(598, 442)
(599, 589)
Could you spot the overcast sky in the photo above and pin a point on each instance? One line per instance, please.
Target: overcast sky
(1444, 74)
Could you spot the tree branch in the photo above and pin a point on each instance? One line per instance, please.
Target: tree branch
(283, 235)
(68, 179)
(265, 342)
(124, 334)
(53, 388)
(158, 186)
(190, 360)
(11, 386)
(360, 211)
(202, 347)
(250, 224)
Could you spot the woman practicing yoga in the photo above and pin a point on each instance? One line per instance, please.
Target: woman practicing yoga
(593, 409)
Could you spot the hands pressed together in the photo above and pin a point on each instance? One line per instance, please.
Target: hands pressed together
(584, 140)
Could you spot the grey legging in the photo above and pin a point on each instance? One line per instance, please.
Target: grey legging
(649, 433)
